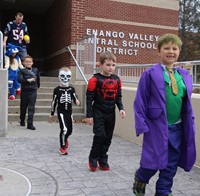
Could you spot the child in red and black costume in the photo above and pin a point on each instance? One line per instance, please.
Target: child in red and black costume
(103, 92)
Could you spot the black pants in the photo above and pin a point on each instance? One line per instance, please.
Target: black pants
(103, 128)
(66, 126)
(27, 100)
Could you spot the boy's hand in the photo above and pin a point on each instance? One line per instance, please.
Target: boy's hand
(89, 121)
(27, 41)
(50, 119)
(77, 102)
(122, 113)
(31, 80)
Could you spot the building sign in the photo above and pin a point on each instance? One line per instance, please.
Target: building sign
(121, 43)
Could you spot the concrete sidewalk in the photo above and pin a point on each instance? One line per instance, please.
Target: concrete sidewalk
(31, 165)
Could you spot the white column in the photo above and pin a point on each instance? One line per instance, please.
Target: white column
(3, 93)
(3, 102)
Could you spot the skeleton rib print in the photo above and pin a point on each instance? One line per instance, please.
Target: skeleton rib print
(62, 98)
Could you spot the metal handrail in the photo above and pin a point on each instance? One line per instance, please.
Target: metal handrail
(132, 73)
(85, 79)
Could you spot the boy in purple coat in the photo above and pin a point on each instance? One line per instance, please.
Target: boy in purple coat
(164, 115)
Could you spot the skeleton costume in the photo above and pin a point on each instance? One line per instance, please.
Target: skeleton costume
(62, 98)
(103, 93)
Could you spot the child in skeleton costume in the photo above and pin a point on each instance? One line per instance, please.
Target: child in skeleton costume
(62, 98)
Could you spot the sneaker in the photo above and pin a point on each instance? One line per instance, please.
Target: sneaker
(92, 165)
(67, 143)
(11, 97)
(31, 127)
(22, 124)
(104, 166)
(18, 91)
(63, 151)
(138, 186)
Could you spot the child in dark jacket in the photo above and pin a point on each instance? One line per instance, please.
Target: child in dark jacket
(29, 78)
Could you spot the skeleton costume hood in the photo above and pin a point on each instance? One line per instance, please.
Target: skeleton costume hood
(65, 77)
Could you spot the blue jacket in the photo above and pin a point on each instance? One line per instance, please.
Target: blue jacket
(151, 120)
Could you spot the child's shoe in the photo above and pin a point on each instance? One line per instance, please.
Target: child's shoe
(138, 186)
(18, 91)
(92, 165)
(30, 126)
(103, 165)
(22, 123)
(11, 97)
(67, 143)
(63, 151)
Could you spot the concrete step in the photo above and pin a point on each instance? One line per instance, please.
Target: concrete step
(45, 90)
(42, 117)
(49, 79)
(41, 95)
(49, 84)
(42, 109)
(39, 102)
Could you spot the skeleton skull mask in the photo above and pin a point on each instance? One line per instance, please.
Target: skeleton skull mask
(65, 77)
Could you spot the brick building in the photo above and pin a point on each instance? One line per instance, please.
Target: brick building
(128, 28)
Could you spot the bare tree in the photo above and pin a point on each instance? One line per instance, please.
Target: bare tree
(189, 29)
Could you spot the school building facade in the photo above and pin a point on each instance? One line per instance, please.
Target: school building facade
(128, 28)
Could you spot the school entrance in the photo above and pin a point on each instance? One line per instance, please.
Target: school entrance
(49, 28)
(128, 28)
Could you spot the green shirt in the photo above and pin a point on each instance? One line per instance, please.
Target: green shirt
(174, 102)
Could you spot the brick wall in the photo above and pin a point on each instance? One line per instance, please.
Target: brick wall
(131, 12)
(134, 19)
(57, 28)
(78, 20)
(65, 24)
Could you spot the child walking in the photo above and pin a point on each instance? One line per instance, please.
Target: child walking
(103, 93)
(29, 78)
(164, 115)
(63, 95)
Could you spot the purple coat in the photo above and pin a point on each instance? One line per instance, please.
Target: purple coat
(151, 120)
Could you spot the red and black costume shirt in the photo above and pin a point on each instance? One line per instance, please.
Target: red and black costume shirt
(103, 93)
